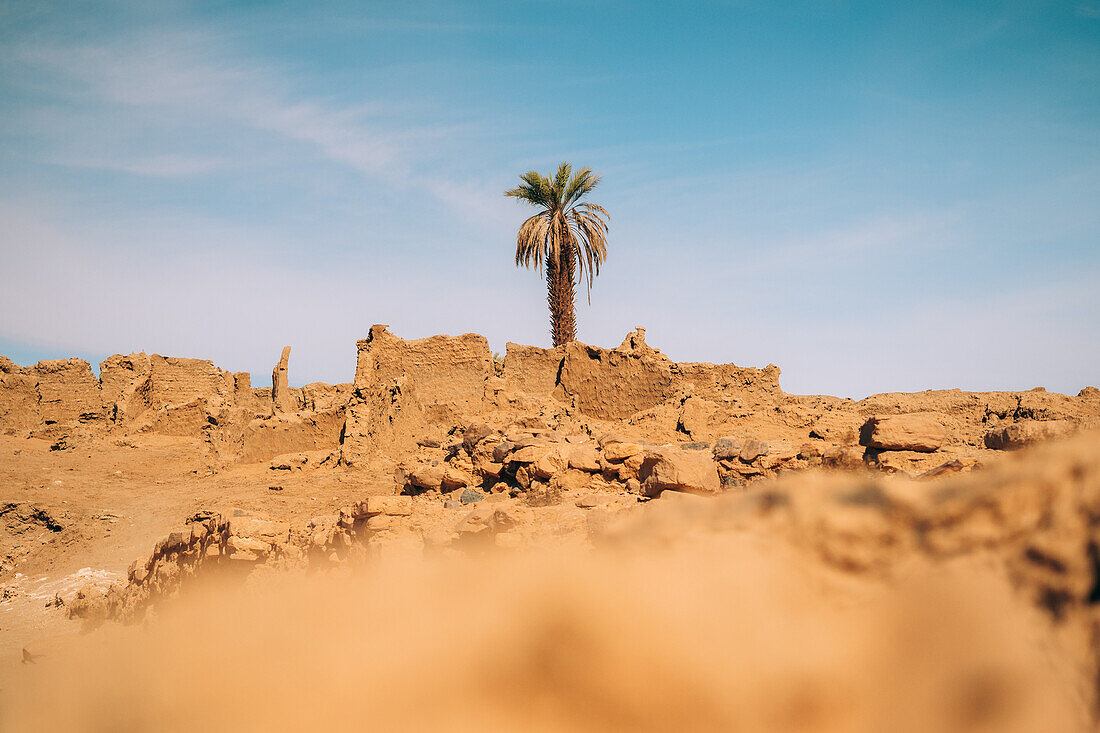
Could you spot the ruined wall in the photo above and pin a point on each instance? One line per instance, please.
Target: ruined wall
(269, 437)
(134, 383)
(633, 377)
(67, 390)
(18, 397)
(51, 391)
(448, 371)
(613, 384)
(179, 396)
(532, 369)
(175, 380)
(124, 382)
(319, 396)
(383, 418)
(714, 381)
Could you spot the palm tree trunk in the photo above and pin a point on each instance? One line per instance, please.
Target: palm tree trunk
(560, 283)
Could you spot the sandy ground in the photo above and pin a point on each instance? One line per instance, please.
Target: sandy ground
(112, 502)
(823, 602)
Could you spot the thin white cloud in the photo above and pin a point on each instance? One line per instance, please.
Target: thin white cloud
(194, 77)
(155, 166)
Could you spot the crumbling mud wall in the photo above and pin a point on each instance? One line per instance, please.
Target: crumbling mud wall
(716, 381)
(614, 384)
(532, 369)
(67, 390)
(409, 391)
(51, 391)
(305, 431)
(18, 397)
(449, 372)
(135, 383)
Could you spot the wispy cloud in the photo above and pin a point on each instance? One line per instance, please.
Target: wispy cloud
(156, 166)
(194, 77)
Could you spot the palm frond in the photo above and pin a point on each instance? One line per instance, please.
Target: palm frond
(583, 182)
(535, 190)
(595, 209)
(561, 180)
(531, 241)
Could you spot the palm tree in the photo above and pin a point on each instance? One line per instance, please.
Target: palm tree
(567, 234)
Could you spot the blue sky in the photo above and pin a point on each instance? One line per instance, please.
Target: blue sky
(874, 196)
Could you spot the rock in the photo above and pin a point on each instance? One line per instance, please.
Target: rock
(474, 434)
(779, 452)
(584, 458)
(523, 477)
(699, 445)
(380, 522)
(451, 504)
(489, 469)
(427, 476)
(590, 501)
(944, 469)
(846, 456)
(670, 469)
(543, 494)
(395, 506)
(455, 478)
(753, 450)
(608, 438)
(1026, 433)
(469, 496)
(727, 448)
(616, 452)
(527, 440)
(916, 432)
(501, 451)
(631, 467)
(528, 454)
(895, 461)
(551, 463)
(259, 529)
(486, 518)
(837, 427)
(246, 548)
(809, 451)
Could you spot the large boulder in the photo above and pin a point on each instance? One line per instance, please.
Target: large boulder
(917, 432)
(671, 469)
